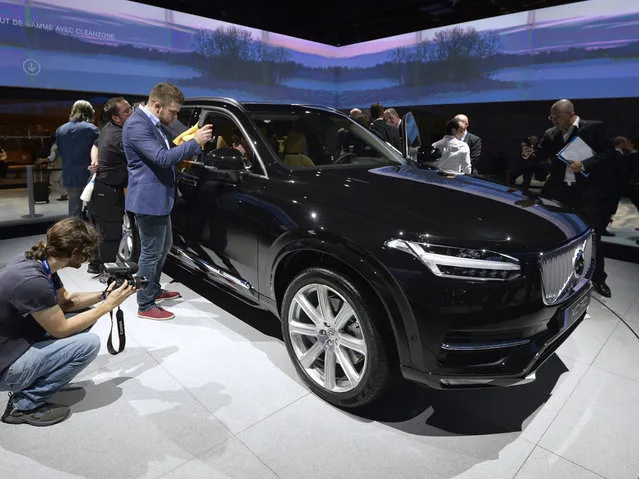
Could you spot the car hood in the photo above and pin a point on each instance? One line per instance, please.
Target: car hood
(461, 210)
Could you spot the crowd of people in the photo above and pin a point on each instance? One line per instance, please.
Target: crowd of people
(593, 185)
(459, 149)
(45, 338)
(44, 329)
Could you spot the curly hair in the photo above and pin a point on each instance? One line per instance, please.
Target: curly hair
(82, 111)
(64, 239)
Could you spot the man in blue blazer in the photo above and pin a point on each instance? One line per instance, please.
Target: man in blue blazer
(151, 190)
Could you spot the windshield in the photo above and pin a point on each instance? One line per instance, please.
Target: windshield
(304, 137)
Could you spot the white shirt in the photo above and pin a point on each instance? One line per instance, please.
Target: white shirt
(455, 155)
(156, 122)
(463, 138)
(569, 176)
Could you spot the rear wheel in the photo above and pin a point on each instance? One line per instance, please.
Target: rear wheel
(129, 249)
(332, 337)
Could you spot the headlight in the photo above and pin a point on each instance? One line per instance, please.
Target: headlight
(461, 263)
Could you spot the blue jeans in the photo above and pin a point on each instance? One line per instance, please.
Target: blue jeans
(156, 239)
(46, 367)
(75, 203)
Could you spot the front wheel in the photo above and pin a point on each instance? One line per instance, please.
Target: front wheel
(332, 338)
(129, 249)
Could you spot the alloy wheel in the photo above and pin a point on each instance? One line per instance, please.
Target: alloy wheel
(125, 250)
(327, 338)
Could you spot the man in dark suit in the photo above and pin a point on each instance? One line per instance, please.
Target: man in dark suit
(473, 142)
(386, 132)
(151, 190)
(569, 183)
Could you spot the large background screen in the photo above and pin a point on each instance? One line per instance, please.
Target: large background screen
(583, 50)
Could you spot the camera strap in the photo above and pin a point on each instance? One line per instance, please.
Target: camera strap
(119, 318)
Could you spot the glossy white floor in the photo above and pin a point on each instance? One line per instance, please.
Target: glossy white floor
(14, 206)
(213, 394)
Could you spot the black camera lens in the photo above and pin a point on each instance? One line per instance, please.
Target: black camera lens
(140, 282)
(119, 273)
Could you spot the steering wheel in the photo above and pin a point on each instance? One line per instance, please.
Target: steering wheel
(345, 158)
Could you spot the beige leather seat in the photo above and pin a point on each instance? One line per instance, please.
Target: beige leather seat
(293, 146)
(221, 143)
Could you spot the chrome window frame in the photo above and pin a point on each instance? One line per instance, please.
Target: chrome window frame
(205, 109)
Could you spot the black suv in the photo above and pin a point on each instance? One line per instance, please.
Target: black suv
(374, 262)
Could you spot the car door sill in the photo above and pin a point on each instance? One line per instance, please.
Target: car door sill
(213, 270)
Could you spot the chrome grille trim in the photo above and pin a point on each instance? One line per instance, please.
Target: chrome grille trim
(484, 346)
(560, 277)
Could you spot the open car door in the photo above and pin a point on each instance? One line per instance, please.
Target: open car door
(411, 141)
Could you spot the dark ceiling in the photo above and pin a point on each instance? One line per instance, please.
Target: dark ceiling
(342, 22)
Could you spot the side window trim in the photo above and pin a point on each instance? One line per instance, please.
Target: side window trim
(193, 117)
(211, 109)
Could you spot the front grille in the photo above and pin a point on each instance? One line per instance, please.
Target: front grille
(567, 269)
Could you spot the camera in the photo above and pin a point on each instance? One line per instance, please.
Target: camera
(526, 141)
(119, 273)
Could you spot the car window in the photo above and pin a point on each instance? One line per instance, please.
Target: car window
(184, 116)
(310, 138)
(227, 134)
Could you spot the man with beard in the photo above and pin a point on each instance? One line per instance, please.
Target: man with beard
(107, 200)
(150, 193)
(41, 349)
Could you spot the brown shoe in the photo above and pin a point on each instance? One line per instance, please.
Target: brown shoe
(157, 314)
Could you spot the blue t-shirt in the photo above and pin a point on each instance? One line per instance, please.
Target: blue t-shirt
(24, 289)
(74, 140)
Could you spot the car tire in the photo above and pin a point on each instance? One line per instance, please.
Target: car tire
(129, 249)
(354, 347)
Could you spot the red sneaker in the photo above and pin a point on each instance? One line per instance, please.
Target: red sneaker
(167, 295)
(157, 314)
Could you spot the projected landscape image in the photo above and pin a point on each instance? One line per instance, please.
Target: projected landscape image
(585, 50)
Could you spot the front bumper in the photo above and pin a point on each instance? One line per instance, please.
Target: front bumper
(505, 357)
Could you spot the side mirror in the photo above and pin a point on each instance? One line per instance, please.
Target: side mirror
(225, 159)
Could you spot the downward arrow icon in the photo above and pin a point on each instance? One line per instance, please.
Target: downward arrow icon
(31, 67)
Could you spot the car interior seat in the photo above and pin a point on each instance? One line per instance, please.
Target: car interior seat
(294, 145)
(221, 142)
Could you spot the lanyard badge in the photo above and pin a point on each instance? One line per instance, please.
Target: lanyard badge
(47, 271)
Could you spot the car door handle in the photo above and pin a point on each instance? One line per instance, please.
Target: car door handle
(187, 180)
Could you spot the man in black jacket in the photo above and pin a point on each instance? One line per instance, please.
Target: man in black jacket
(107, 200)
(386, 132)
(473, 141)
(569, 184)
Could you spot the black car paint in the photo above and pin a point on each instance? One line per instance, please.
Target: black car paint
(249, 225)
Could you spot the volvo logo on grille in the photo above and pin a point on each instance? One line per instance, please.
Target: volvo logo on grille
(580, 263)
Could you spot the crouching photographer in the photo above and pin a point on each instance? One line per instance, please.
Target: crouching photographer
(41, 349)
